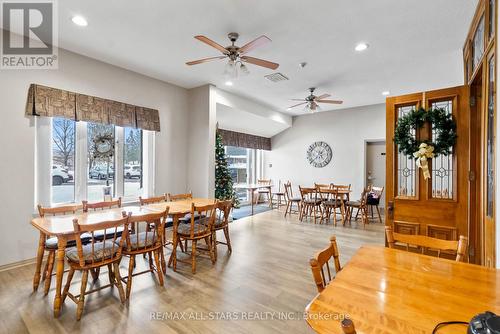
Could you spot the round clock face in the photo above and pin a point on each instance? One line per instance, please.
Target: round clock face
(319, 154)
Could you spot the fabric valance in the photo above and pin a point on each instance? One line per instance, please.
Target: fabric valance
(238, 139)
(52, 102)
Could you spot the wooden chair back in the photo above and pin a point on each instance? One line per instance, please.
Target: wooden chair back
(149, 229)
(264, 182)
(342, 187)
(152, 200)
(205, 222)
(323, 185)
(58, 210)
(321, 260)
(310, 194)
(425, 242)
(288, 190)
(377, 190)
(111, 228)
(179, 197)
(223, 210)
(101, 205)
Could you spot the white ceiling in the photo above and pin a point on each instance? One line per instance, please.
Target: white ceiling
(414, 44)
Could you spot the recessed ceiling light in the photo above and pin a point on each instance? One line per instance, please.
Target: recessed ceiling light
(361, 47)
(79, 21)
(229, 83)
(385, 93)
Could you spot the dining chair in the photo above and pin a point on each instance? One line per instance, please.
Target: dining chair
(147, 238)
(264, 191)
(101, 206)
(50, 244)
(326, 196)
(311, 201)
(196, 230)
(424, 242)
(373, 200)
(280, 195)
(223, 210)
(182, 197)
(330, 203)
(321, 260)
(360, 205)
(96, 254)
(152, 200)
(291, 200)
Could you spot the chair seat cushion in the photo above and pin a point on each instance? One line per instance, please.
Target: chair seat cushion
(187, 217)
(185, 229)
(332, 203)
(312, 201)
(110, 233)
(51, 243)
(102, 251)
(295, 199)
(139, 240)
(354, 203)
(279, 194)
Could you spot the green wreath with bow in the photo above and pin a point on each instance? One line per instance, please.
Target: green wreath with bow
(443, 126)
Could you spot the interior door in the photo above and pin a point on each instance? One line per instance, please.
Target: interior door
(442, 199)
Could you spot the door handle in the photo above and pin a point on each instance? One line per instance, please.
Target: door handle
(390, 210)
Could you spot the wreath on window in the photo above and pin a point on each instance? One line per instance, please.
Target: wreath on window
(443, 126)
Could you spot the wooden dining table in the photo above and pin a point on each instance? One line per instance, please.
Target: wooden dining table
(62, 228)
(251, 188)
(385, 290)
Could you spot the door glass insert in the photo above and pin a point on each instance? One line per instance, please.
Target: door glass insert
(490, 140)
(442, 165)
(491, 28)
(406, 165)
(478, 44)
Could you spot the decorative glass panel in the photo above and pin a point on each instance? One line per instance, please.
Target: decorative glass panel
(478, 44)
(406, 170)
(490, 149)
(442, 166)
(491, 28)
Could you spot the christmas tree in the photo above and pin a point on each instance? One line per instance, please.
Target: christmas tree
(223, 181)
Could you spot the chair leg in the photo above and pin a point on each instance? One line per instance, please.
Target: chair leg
(193, 256)
(163, 263)
(158, 266)
(111, 275)
(118, 282)
(130, 272)
(150, 256)
(378, 212)
(287, 208)
(50, 267)
(228, 240)
(184, 250)
(81, 299)
(213, 238)
(68, 284)
(95, 273)
(357, 213)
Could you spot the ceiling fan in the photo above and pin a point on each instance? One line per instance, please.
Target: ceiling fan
(311, 101)
(237, 55)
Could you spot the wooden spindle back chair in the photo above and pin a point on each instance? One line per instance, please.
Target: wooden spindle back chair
(222, 212)
(321, 261)
(290, 199)
(102, 205)
(147, 238)
(97, 253)
(377, 191)
(311, 200)
(425, 242)
(197, 229)
(280, 195)
(50, 243)
(360, 205)
(152, 200)
(179, 197)
(264, 191)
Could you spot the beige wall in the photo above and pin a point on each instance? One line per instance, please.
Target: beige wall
(17, 136)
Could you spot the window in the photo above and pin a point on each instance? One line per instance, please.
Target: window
(63, 160)
(100, 171)
(76, 175)
(244, 166)
(132, 163)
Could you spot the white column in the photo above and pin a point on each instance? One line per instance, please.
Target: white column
(43, 161)
(119, 142)
(149, 163)
(81, 171)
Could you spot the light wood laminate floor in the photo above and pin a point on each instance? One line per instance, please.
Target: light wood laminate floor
(267, 275)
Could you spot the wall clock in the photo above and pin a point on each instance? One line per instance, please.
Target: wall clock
(104, 146)
(319, 154)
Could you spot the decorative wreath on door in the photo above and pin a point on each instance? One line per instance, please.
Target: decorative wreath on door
(442, 125)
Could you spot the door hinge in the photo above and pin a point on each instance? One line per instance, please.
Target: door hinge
(472, 176)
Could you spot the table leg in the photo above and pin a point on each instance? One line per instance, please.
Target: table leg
(39, 260)
(252, 193)
(61, 246)
(173, 256)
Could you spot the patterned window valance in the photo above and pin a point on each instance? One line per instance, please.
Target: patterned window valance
(52, 102)
(232, 138)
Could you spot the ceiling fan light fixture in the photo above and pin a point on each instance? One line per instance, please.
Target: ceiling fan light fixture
(244, 70)
(361, 47)
(230, 71)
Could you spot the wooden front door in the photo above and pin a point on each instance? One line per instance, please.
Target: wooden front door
(443, 199)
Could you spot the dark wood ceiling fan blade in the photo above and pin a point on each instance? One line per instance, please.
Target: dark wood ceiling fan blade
(321, 97)
(297, 105)
(330, 101)
(213, 44)
(259, 41)
(260, 62)
(204, 60)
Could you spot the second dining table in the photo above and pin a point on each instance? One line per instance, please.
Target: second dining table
(62, 228)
